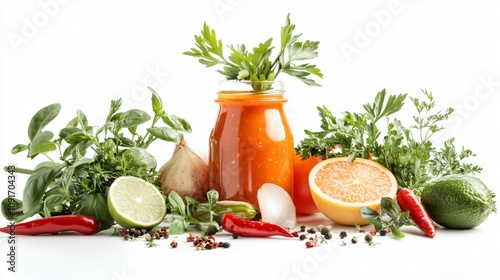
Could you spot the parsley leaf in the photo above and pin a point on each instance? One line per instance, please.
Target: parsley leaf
(256, 65)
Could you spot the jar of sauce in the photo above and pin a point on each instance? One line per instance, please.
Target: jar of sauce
(251, 142)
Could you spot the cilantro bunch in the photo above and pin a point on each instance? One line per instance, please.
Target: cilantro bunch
(256, 65)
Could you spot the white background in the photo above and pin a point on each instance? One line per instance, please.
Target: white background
(83, 54)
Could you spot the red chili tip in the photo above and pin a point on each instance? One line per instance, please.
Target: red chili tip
(249, 228)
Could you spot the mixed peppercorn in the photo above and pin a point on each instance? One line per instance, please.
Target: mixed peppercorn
(312, 236)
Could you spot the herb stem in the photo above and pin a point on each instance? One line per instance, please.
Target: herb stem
(18, 170)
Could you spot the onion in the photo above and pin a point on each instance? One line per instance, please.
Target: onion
(185, 173)
(276, 206)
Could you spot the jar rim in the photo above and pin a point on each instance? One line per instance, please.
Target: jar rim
(255, 87)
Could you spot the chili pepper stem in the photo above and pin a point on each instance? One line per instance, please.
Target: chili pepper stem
(18, 170)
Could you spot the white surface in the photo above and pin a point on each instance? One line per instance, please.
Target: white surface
(85, 54)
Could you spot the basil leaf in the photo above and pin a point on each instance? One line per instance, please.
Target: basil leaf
(82, 119)
(12, 210)
(165, 133)
(19, 148)
(176, 203)
(76, 150)
(133, 117)
(176, 123)
(42, 144)
(42, 118)
(156, 102)
(10, 207)
(37, 183)
(72, 135)
(73, 123)
(52, 201)
(95, 205)
(177, 226)
(139, 157)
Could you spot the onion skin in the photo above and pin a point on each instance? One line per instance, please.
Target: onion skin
(185, 173)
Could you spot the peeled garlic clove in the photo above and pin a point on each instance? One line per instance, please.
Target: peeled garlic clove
(185, 173)
(276, 206)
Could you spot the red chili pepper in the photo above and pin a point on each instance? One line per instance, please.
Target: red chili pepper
(407, 201)
(80, 223)
(249, 228)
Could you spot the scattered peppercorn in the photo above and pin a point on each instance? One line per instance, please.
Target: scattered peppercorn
(328, 236)
(354, 240)
(342, 234)
(302, 237)
(310, 244)
(373, 232)
(174, 244)
(326, 230)
(302, 228)
(368, 238)
(295, 234)
(383, 232)
(311, 230)
(235, 235)
(211, 230)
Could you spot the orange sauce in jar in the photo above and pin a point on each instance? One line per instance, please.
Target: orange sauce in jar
(251, 143)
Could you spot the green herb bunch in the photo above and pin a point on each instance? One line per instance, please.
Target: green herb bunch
(90, 158)
(408, 152)
(256, 65)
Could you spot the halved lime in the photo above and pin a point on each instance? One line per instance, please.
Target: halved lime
(135, 203)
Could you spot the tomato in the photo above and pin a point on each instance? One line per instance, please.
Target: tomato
(302, 199)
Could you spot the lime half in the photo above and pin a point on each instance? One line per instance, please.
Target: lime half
(134, 202)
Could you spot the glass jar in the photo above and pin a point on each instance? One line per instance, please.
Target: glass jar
(251, 143)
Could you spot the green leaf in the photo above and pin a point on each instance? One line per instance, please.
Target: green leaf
(178, 226)
(213, 197)
(19, 148)
(37, 183)
(12, 210)
(140, 158)
(133, 117)
(390, 206)
(165, 133)
(156, 102)
(377, 224)
(303, 51)
(95, 205)
(81, 161)
(72, 135)
(42, 144)
(176, 123)
(11, 207)
(82, 119)
(43, 117)
(52, 201)
(396, 232)
(368, 213)
(176, 203)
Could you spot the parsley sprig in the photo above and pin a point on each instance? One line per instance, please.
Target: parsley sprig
(407, 151)
(256, 65)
